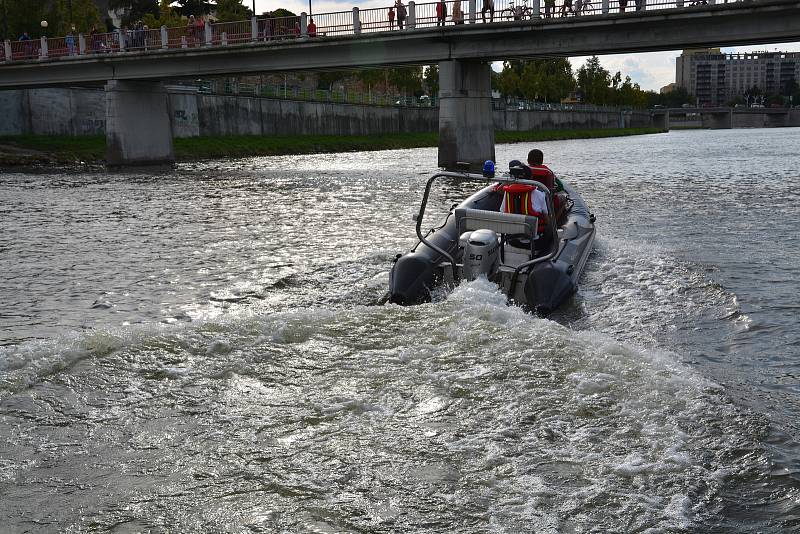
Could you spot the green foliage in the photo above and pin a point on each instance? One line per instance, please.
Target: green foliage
(232, 10)
(673, 99)
(167, 16)
(406, 79)
(431, 77)
(547, 80)
(193, 7)
(18, 17)
(134, 10)
(280, 12)
(84, 16)
(595, 81)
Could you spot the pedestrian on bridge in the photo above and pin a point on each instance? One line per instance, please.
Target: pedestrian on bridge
(488, 5)
(441, 13)
(69, 40)
(401, 14)
(622, 5)
(391, 17)
(458, 14)
(549, 8)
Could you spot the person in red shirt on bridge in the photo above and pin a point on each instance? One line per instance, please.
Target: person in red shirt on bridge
(312, 28)
(441, 13)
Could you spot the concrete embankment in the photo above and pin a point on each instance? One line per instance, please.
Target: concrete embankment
(77, 112)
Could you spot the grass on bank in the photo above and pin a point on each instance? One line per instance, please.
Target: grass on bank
(28, 149)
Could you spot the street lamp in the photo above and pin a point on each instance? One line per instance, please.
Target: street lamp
(44, 28)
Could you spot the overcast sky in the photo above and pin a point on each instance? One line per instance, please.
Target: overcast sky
(651, 71)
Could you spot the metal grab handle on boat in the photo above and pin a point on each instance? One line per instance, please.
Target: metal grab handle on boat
(482, 178)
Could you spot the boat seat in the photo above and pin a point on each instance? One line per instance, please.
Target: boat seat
(501, 223)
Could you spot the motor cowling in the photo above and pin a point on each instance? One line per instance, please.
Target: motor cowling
(481, 253)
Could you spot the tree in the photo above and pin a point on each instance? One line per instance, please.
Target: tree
(194, 7)
(19, 17)
(134, 10)
(431, 77)
(595, 81)
(279, 13)
(232, 10)
(545, 79)
(406, 79)
(508, 82)
(167, 16)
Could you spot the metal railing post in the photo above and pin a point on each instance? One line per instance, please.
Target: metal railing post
(184, 44)
(303, 24)
(43, 48)
(411, 23)
(121, 38)
(606, 7)
(81, 44)
(7, 46)
(537, 8)
(254, 29)
(356, 21)
(472, 8)
(224, 38)
(164, 37)
(208, 36)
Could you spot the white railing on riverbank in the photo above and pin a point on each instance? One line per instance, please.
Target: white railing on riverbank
(354, 22)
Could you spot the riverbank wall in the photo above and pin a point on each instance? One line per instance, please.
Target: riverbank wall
(78, 112)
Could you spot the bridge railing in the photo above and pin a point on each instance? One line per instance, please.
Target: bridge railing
(277, 28)
(330, 24)
(376, 20)
(351, 22)
(232, 32)
(102, 43)
(143, 40)
(21, 50)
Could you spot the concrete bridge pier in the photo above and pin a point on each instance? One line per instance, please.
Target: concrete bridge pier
(138, 130)
(466, 129)
(718, 121)
(776, 120)
(660, 120)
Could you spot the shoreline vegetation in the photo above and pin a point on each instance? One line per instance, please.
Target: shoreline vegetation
(41, 150)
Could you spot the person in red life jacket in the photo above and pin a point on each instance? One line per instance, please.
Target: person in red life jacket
(312, 28)
(523, 198)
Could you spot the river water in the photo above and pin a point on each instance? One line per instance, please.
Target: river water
(204, 351)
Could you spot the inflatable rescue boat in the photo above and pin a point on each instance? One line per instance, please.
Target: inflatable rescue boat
(536, 264)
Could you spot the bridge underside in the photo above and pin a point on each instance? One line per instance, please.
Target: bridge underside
(767, 21)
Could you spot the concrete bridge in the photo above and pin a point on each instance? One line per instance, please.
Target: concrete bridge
(137, 118)
(725, 117)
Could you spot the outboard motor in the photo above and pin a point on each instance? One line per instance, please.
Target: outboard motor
(481, 253)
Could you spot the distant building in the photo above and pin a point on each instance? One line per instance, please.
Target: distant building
(668, 88)
(715, 78)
